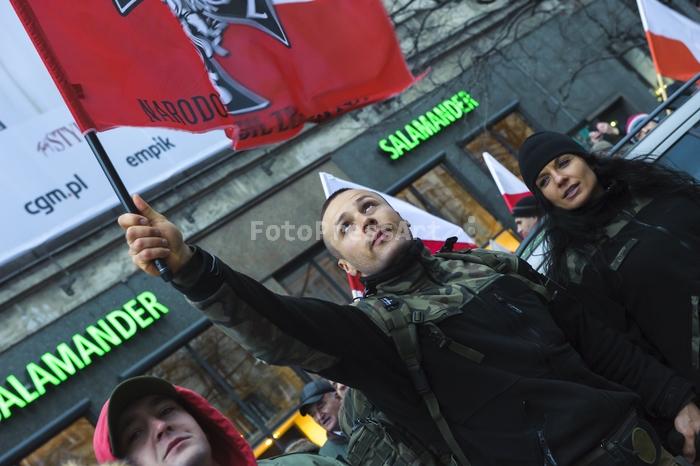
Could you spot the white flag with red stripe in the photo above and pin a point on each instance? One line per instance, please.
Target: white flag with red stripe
(432, 230)
(674, 40)
(511, 187)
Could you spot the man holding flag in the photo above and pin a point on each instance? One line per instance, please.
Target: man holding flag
(432, 344)
(465, 351)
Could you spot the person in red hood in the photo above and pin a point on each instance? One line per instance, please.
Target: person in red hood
(150, 422)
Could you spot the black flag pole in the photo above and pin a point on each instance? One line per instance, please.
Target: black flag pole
(120, 190)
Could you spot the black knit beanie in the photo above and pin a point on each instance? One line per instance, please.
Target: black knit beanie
(527, 207)
(541, 148)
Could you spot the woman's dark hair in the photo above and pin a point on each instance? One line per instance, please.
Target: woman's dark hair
(622, 179)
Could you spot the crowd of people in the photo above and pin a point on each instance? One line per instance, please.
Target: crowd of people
(602, 136)
(462, 357)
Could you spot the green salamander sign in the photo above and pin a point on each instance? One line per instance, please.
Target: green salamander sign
(70, 357)
(427, 125)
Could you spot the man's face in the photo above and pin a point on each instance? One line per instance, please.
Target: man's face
(325, 411)
(524, 225)
(648, 128)
(365, 231)
(156, 431)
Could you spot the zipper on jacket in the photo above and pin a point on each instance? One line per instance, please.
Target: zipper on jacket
(532, 331)
(695, 338)
(549, 459)
(510, 306)
(666, 232)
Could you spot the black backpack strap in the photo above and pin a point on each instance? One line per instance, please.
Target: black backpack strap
(622, 253)
(444, 341)
(401, 323)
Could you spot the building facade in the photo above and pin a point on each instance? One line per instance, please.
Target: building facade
(77, 318)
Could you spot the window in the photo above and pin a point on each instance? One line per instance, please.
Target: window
(255, 396)
(441, 194)
(73, 443)
(501, 139)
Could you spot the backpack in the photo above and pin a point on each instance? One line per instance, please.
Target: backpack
(376, 441)
(399, 316)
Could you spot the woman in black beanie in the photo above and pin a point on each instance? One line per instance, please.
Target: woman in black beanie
(627, 231)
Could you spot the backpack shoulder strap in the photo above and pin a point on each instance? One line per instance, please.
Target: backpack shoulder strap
(578, 259)
(576, 262)
(627, 214)
(399, 322)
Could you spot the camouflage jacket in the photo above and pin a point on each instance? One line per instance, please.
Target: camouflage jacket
(530, 396)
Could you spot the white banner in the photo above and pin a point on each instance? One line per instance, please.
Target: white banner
(51, 181)
(26, 89)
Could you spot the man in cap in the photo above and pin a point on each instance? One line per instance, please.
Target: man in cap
(634, 125)
(322, 401)
(526, 213)
(467, 352)
(150, 422)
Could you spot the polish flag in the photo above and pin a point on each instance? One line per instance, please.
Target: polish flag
(512, 189)
(674, 40)
(432, 230)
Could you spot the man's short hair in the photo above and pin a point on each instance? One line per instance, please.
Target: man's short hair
(327, 202)
(324, 207)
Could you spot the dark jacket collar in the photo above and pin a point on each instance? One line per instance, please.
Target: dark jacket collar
(403, 274)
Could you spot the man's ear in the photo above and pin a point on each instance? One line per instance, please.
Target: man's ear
(348, 267)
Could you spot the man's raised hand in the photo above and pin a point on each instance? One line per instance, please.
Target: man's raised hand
(152, 236)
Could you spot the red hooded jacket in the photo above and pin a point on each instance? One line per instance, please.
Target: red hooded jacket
(229, 448)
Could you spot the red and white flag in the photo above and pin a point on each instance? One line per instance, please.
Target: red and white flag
(259, 68)
(432, 230)
(674, 40)
(511, 187)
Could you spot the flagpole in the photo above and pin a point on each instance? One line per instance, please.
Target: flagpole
(120, 190)
(650, 43)
(662, 86)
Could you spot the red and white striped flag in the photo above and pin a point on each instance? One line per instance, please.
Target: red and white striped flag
(432, 230)
(674, 40)
(511, 187)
